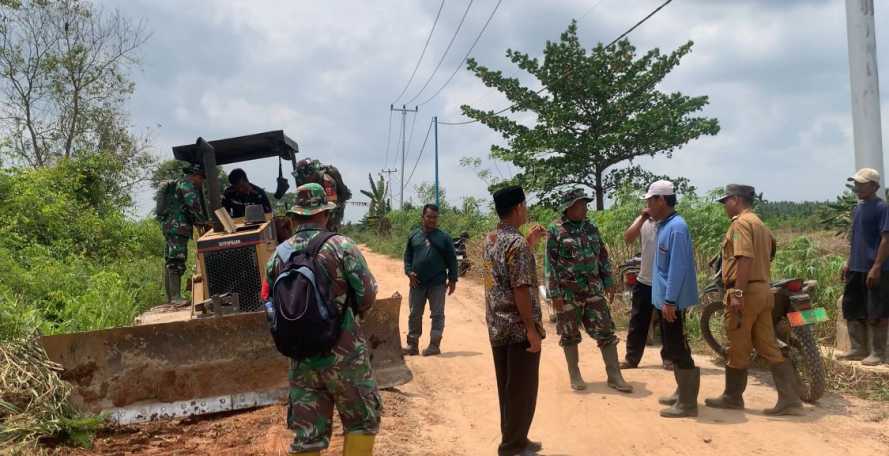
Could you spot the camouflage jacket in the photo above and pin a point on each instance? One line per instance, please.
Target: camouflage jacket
(577, 263)
(508, 264)
(187, 209)
(354, 287)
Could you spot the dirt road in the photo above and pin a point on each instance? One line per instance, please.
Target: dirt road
(451, 407)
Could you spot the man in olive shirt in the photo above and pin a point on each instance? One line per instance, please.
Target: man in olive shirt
(429, 260)
(747, 252)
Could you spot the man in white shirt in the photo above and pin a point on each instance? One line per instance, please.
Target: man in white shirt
(643, 228)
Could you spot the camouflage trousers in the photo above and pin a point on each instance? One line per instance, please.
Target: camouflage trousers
(595, 316)
(317, 385)
(176, 252)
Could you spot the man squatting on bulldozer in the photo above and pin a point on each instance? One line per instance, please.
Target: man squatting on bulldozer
(242, 193)
(180, 207)
(430, 263)
(344, 377)
(580, 274)
(866, 273)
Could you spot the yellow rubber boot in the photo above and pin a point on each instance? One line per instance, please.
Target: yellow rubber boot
(359, 445)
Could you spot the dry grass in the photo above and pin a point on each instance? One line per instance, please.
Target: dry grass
(34, 401)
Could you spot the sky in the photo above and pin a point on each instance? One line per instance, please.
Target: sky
(326, 72)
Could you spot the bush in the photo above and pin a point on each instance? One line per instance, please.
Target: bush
(70, 258)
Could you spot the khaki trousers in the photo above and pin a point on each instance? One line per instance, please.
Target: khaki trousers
(754, 328)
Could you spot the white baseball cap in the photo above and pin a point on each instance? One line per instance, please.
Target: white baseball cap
(660, 188)
(865, 175)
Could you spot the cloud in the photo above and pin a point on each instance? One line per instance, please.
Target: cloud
(325, 72)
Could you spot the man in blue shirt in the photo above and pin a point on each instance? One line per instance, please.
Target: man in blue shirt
(866, 297)
(674, 289)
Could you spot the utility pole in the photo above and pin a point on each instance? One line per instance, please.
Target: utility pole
(403, 110)
(388, 173)
(865, 84)
(435, 122)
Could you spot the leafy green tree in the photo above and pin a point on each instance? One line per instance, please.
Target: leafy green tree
(597, 110)
(379, 205)
(64, 75)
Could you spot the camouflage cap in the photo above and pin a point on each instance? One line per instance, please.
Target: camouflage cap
(310, 200)
(193, 168)
(572, 196)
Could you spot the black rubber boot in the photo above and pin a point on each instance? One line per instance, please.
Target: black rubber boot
(671, 399)
(689, 381)
(857, 340)
(877, 338)
(573, 360)
(173, 286)
(733, 397)
(433, 348)
(612, 368)
(412, 348)
(789, 402)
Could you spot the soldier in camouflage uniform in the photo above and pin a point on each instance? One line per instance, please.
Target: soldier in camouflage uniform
(344, 377)
(328, 176)
(578, 275)
(186, 209)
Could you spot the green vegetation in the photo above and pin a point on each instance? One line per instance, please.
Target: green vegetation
(813, 255)
(70, 258)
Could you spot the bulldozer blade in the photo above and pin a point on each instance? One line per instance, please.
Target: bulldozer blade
(380, 328)
(194, 367)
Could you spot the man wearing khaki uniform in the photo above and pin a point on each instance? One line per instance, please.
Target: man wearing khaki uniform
(747, 252)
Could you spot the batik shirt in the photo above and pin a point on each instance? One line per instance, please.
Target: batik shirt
(509, 263)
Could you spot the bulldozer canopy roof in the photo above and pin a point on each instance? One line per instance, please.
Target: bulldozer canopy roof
(242, 148)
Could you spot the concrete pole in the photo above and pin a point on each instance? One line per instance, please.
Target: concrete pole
(865, 85)
(437, 201)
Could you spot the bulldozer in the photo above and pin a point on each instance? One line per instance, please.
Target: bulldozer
(216, 354)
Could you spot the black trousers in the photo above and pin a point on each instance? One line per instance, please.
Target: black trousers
(863, 303)
(676, 347)
(640, 322)
(517, 378)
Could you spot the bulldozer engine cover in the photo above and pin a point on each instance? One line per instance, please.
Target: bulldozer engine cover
(199, 366)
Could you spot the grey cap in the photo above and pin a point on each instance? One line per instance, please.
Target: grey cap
(731, 190)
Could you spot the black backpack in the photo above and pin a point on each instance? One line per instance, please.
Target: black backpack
(304, 320)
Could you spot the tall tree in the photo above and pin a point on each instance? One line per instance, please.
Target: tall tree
(64, 74)
(596, 110)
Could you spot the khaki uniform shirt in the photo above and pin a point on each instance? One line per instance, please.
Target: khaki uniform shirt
(748, 237)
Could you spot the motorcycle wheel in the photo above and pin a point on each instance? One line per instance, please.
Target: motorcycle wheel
(712, 326)
(805, 356)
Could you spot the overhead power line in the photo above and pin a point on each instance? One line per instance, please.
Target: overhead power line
(420, 155)
(423, 53)
(465, 57)
(622, 35)
(451, 43)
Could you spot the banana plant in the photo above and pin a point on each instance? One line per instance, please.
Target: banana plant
(379, 206)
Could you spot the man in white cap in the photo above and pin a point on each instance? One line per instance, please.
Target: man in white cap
(674, 290)
(866, 296)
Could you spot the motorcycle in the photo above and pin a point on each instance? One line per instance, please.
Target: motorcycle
(793, 316)
(463, 264)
